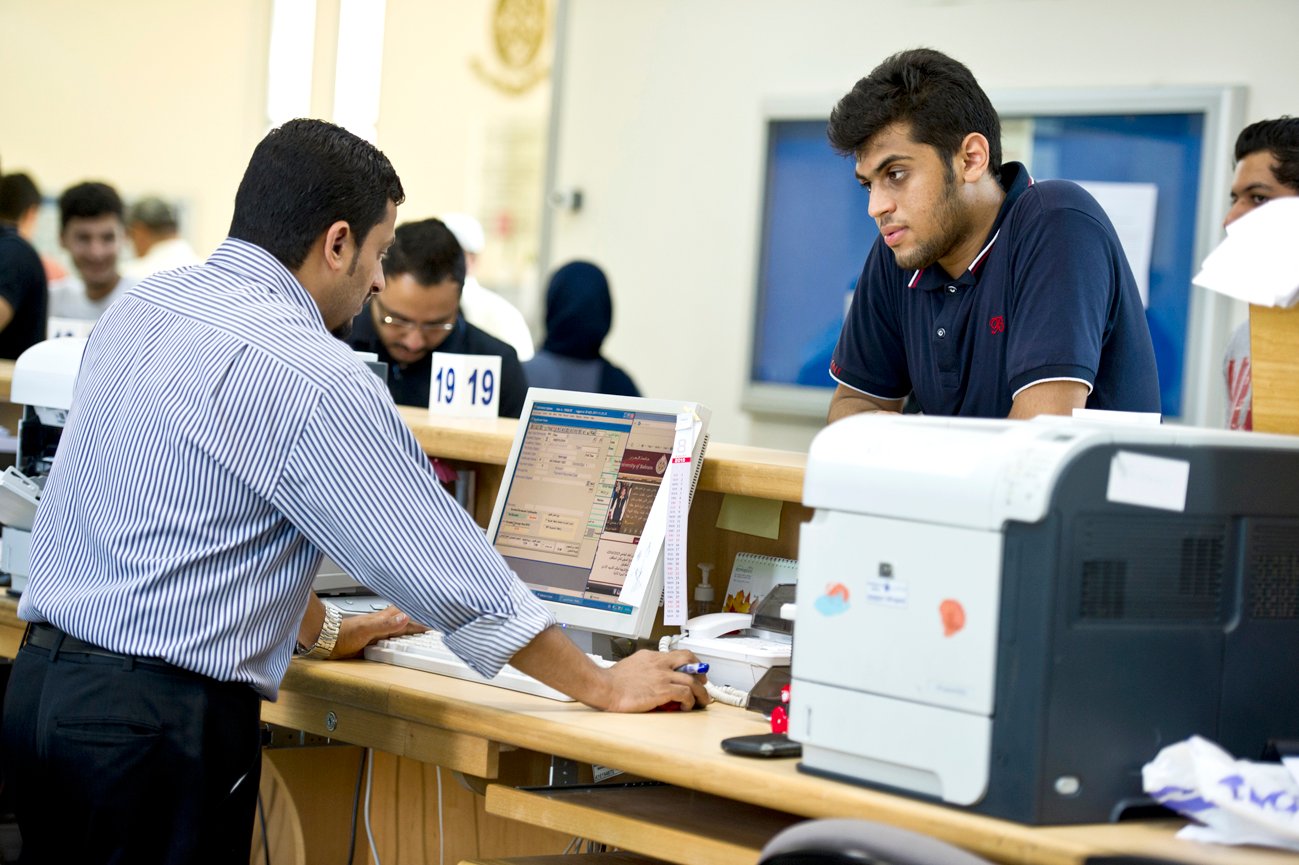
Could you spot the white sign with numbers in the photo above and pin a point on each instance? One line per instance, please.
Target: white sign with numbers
(465, 385)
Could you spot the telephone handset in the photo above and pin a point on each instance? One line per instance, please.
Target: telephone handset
(712, 625)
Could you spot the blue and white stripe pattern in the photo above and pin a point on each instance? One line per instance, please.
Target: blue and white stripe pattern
(220, 439)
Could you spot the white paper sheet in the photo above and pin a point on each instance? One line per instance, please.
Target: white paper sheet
(1150, 482)
(1258, 262)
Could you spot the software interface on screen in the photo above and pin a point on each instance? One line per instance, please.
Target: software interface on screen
(581, 492)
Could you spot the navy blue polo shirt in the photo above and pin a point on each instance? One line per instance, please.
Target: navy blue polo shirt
(1049, 297)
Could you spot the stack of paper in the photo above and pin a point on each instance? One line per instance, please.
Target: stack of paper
(1258, 262)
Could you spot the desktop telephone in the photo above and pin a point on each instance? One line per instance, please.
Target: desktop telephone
(741, 648)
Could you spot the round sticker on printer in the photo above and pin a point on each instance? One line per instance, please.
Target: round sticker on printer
(953, 616)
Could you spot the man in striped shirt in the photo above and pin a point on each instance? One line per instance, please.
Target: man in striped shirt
(205, 466)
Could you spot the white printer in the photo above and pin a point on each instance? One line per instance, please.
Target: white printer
(43, 380)
(1016, 616)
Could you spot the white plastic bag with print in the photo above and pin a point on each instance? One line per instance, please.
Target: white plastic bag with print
(1236, 801)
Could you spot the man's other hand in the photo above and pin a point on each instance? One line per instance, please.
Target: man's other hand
(357, 632)
(649, 679)
(642, 682)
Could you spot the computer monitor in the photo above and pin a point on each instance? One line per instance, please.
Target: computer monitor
(583, 473)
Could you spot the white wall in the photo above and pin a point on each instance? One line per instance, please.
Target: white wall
(661, 128)
(170, 98)
(148, 96)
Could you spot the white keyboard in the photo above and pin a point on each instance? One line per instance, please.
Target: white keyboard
(427, 652)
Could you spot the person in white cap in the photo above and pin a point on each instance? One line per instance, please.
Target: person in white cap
(481, 306)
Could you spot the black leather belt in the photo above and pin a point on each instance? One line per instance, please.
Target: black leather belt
(43, 635)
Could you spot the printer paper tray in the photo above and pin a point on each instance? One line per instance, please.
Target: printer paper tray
(18, 499)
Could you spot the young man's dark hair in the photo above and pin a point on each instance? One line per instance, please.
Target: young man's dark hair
(305, 176)
(1280, 137)
(88, 201)
(18, 194)
(428, 251)
(935, 94)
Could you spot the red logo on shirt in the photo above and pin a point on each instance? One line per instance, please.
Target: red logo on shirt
(997, 324)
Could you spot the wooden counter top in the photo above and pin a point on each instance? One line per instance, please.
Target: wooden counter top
(728, 468)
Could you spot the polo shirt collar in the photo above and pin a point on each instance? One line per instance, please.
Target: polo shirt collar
(1015, 179)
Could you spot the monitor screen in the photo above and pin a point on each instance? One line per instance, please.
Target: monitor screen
(582, 477)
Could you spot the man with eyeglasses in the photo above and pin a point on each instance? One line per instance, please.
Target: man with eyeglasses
(418, 313)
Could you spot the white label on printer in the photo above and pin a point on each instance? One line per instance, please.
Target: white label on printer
(1149, 482)
(887, 593)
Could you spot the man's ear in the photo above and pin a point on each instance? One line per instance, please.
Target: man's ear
(337, 239)
(973, 158)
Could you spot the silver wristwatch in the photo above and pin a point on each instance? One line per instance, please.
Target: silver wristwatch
(324, 645)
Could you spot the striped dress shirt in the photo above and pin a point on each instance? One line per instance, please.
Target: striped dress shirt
(220, 439)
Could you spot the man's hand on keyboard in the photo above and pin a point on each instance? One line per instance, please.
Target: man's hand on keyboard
(357, 632)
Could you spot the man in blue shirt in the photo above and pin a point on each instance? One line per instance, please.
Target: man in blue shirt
(419, 313)
(986, 295)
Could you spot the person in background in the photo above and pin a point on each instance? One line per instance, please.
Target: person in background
(91, 229)
(1267, 167)
(986, 294)
(418, 312)
(154, 230)
(209, 460)
(482, 306)
(20, 204)
(22, 283)
(579, 314)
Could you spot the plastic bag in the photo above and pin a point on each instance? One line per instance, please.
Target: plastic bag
(1237, 801)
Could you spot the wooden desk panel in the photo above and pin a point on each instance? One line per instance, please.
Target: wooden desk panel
(1274, 364)
(682, 826)
(682, 749)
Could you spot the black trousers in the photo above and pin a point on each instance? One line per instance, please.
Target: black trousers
(114, 759)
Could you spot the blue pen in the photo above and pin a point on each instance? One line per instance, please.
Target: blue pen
(693, 668)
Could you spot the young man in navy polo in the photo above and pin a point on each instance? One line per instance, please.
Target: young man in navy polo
(986, 294)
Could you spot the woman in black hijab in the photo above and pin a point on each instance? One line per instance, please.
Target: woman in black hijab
(579, 313)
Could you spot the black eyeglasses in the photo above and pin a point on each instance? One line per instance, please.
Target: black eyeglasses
(427, 328)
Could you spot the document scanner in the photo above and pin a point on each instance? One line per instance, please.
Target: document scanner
(43, 380)
(1015, 616)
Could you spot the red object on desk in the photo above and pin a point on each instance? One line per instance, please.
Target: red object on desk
(780, 715)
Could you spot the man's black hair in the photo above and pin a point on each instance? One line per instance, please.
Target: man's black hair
(935, 94)
(303, 177)
(88, 200)
(18, 194)
(1280, 137)
(428, 251)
